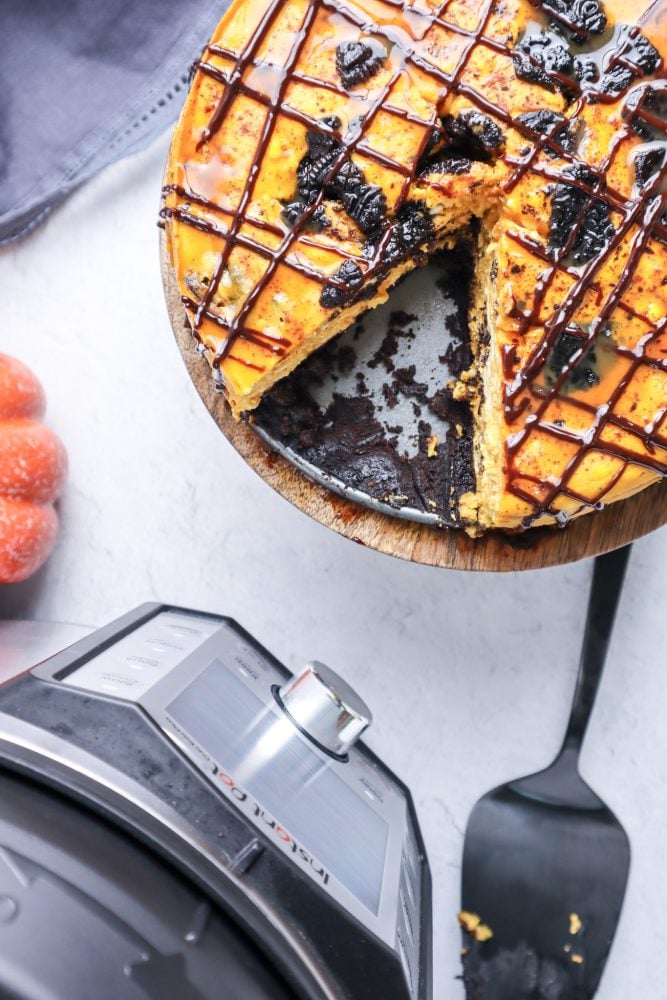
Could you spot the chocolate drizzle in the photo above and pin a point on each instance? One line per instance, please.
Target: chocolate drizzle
(600, 220)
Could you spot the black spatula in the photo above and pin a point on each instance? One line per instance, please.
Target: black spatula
(545, 862)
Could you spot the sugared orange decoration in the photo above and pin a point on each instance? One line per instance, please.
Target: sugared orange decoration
(33, 466)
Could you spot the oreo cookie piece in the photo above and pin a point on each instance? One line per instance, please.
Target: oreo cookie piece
(356, 62)
(594, 234)
(567, 203)
(568, 345)
(351, 275)
(582, 17)
(573, 209)
(293, 211)
(546, 123)
(635, 57)
(365, 203)
(519, 973)
(433, 150)
(647, 164)
(545, 59)
(587, 72)
(435, 138)
(316, 140)
(316, 165)
(645, 109)
(473, 134)
(445, 164)
(412, 227)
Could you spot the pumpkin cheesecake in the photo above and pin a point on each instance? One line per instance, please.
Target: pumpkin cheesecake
(327, 147)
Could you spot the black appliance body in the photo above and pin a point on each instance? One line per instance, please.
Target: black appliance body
(168, 830)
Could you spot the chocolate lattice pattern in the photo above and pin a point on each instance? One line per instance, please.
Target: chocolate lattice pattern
(584, 345)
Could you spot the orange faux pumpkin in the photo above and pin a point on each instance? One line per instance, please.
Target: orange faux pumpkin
(33, 466)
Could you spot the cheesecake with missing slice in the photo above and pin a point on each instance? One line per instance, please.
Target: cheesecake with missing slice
(327, 147)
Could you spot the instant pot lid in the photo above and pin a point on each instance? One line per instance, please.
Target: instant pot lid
(24, 643)
(87, 911)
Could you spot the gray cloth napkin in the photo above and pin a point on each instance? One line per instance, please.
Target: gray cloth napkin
(83, 83)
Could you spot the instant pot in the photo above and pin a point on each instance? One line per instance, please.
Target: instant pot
(182, 818)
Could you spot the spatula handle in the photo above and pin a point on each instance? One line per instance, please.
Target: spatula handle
(608, 576)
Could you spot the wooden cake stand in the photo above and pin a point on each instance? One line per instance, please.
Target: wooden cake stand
(588, 536)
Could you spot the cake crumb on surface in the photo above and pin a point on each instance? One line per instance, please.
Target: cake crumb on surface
(472, 923)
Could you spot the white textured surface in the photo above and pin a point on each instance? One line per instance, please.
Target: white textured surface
(469, 677)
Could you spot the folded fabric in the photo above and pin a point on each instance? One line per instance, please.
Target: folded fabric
(83, 83)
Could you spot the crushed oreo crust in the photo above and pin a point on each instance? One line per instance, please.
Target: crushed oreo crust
(347, 437)
(574, 210)
(399, 328)
(356, 62)
(520, 973)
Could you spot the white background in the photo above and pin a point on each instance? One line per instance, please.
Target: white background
(469, 676)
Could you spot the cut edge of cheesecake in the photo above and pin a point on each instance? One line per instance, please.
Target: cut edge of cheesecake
(481, 386)
(451, 221)
(342, 320)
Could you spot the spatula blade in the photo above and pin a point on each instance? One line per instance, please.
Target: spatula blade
(548, 882)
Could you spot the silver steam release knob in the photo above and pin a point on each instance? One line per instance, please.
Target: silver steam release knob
(325, 707)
